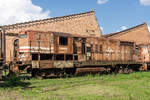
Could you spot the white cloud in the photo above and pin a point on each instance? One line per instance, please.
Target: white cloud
(102, 1)
(14, 11)
(123, 27)
(118, 31)
(145, 2)
(101, 28)
(149, 28)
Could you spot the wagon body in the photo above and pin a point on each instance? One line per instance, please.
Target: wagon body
(102, 51)
(56, 51)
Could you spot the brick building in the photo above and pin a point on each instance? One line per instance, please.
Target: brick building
(82, 23)
(139, 34)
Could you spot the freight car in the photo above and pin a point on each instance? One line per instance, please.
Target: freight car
(56, 53)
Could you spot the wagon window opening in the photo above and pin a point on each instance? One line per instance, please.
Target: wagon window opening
(75, 57)
(69, 57)
(63, 41)
(89, 49)
(59, 57)
(34, 56)
(46, 56)
(83, 48)
(101, 49)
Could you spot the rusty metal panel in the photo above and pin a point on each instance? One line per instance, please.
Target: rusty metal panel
(70, 45)
(77, 45)
(82, 57)
(63, 64)
(122, 53)
(63, 49)
(35, 64)
(24, 56)
(109, 49)
(56, 41)
(90, 70)
(36, 41)
(127, 51)
(46, 64)
(67, 49)
(113, 45)
(145, 53)
(112, 50)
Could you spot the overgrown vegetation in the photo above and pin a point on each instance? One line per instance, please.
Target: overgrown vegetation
(133, 86)
(13, 81)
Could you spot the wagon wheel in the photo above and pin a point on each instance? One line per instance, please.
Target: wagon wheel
(126, 71)
(62, 73)
(130, 70)
(120, 71)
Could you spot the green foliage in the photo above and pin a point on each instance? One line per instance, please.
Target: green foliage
(14, 81)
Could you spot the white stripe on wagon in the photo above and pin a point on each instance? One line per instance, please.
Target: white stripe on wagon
(33, 49)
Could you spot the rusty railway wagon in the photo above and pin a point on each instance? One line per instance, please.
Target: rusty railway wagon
(56, 53)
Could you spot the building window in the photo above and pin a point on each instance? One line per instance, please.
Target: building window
(63, 41)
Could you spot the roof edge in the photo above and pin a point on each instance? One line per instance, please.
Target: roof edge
(54, 18)
(125, 31)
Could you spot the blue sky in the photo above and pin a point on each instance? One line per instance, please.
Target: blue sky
(112, 15)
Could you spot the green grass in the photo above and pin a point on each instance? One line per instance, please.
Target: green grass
(135, 86)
